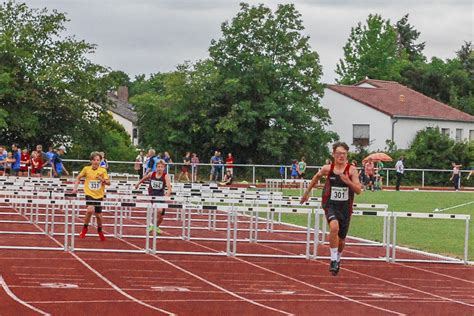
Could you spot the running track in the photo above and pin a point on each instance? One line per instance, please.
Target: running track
(124, 284)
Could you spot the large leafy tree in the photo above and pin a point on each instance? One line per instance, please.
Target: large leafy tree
(48, 87)
(372, 51)
(257, 95)
(269, 79)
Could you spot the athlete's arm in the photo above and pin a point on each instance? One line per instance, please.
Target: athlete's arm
(146, 177)
(78, 180)
(321, 173)
(168, 185)
(352, 180)
(64, 168)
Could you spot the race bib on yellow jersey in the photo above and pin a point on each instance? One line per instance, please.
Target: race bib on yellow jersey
(339, 193)
(94, 185)
(156, 185)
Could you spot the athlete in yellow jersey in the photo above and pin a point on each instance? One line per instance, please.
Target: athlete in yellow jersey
(94, 188)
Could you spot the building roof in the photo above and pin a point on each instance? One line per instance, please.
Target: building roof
(396, 100)
(124, 109)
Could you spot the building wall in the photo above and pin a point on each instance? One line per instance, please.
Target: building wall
(345, 112)
(127, 125)
(406, 129)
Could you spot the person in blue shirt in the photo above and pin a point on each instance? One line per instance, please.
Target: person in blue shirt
(57, 162)
(294, 169)
(3, 160)
(16, 159)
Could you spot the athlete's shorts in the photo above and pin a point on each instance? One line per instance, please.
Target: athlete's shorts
(342, 216)
(98, 208)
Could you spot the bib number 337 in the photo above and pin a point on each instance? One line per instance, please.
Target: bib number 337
(339, 194)
(94, 185)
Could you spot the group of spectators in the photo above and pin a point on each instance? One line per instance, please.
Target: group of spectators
(145, 164)
(371, 174)
(35, 163)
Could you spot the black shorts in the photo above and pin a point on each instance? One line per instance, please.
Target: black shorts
(162, 210)
(98, 208)
(342, 216)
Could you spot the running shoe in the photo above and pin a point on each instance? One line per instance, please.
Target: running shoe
(83, 233)
(101, 236)
(152, 228)
(334, 267)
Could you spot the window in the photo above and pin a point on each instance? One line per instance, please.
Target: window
(135, 133)
(458, 134)
(471, 135)
(361, 134)
(445, 131)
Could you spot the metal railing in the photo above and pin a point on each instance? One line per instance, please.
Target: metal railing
(257, 173)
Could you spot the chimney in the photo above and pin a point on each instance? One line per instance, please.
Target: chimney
(402, 98)
(122, 93)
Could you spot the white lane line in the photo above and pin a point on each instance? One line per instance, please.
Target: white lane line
(15, 298)
(284, 276)
(211, 283)
(386, 281)
(114, 286)
(437, 210)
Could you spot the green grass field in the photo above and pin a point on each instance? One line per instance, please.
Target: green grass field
(444, 237)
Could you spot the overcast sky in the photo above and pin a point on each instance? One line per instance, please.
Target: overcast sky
(149, 36)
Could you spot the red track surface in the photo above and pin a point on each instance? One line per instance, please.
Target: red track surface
(125, 284)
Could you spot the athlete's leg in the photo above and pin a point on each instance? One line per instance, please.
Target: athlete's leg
(333, 233)
(87, 219)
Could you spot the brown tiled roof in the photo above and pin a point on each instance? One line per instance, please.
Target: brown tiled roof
(124, 109)
(397, 100)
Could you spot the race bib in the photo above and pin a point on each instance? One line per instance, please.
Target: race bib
(339, 193)
(94, 185)
(156, 185)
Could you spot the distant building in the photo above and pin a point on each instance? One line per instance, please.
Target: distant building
(373, 111)
(124, 113)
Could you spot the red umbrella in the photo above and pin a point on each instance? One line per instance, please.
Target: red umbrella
(378, 157)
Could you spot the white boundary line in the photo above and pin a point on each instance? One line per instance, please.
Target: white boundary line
(387, 281)
(15, 298)
(285, 276)
(451, 207)
(114, 286)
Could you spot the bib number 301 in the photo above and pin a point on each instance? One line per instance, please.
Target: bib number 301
(339, 194)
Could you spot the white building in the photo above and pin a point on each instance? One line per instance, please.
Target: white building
(124, 113)
(373, 111)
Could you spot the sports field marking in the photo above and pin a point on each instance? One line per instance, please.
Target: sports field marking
(114, 286)
(211, 283)
(15, 298)
(451, 207)
(386, 281)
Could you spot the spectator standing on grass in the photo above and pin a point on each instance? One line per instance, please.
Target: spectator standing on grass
(168, 160)
(139, 161)
(194, 167)
(15, 160)
(219, 166)
(103, 162)
(294, 169)
(370, 174)
(342, 182)
(25, 162)
(150, 162)
(213, 162)
(57, 162)
(36, 164)
(3, 160)
(229, 163)
(44, 160)
(400, 170)
(381, 172)
(301, 168)
(185, 168)
(456, 176)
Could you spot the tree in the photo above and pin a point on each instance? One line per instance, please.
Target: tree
(256, 96)
(47, 85)
(371, 51)
(407, 35)
(267, 106)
